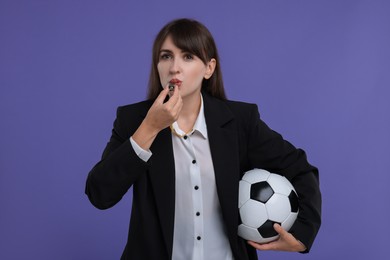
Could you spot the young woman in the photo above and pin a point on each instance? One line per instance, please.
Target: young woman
(184, 151)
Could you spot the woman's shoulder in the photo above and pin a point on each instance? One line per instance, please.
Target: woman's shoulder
(241, 108)
(238, 109)
(231, 104)
(240, 104)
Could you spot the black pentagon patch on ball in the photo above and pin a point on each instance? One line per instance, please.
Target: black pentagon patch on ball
(267, 229)
(293, 198)
(261, 191)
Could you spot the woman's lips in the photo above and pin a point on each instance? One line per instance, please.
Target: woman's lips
(175, 82)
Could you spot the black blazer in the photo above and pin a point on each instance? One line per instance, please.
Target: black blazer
(239, 141)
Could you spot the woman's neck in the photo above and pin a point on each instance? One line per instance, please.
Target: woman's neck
(189, 113)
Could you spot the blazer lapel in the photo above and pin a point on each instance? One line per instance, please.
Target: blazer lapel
(162, 175)
(162, 178)
(223, 139)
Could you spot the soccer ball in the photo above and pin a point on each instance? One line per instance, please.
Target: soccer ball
(264, 199)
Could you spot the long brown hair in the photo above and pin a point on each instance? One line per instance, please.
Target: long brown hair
(193, 37)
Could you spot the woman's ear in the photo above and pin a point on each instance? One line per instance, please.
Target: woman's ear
(210, 67)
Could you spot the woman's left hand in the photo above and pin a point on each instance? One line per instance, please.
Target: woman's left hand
(285, 242)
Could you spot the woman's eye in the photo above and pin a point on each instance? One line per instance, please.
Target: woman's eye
(165, 56)
(188, 57)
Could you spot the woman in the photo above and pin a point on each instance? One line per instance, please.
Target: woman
(184, 151)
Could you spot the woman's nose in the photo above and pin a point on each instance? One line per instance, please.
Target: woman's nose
(175, 66)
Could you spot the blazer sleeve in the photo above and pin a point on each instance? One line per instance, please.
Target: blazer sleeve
(268, 150)
(118, 168)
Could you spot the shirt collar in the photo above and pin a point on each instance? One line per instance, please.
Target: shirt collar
(199, 126)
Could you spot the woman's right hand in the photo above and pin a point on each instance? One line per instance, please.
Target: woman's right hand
(162, 115)
(159, 116)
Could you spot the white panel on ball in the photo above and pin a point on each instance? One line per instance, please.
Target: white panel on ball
(287, 224)
(280, 184)
(253, 213)
(245, 192)
(256, 175)
(249, 233)
(278, 208)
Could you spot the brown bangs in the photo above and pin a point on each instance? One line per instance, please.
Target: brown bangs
(190, 40)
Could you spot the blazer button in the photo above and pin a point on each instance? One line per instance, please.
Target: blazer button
(193, 161)
(198, 237)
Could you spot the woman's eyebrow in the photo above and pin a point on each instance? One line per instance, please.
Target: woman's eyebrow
(169, 51)
(166, 50)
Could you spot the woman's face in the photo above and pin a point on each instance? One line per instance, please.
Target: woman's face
(185, 70)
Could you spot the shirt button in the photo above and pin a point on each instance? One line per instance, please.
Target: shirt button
(193, 161)
(198, 237)
(185, 137)
(197, 213)
(196, 187)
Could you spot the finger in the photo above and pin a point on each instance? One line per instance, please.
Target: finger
(265, 247)
(161, 97)
(289, 240)
(177, 107)
(283, 234)
(281, 231)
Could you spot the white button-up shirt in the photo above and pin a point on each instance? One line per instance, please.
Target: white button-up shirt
(199, 232)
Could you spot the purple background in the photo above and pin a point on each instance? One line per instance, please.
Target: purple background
(319, 71)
